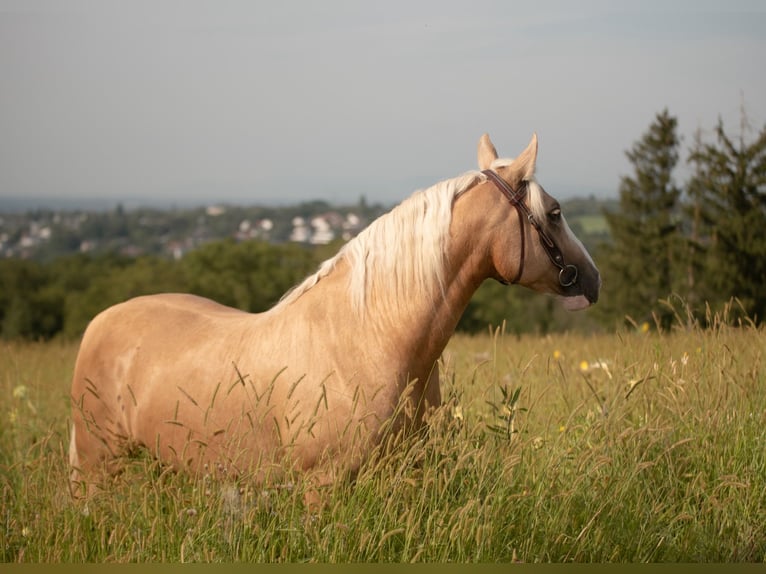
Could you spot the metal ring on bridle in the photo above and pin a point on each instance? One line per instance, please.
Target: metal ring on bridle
(568, 275)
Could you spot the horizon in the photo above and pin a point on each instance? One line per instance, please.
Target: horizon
(18, 204)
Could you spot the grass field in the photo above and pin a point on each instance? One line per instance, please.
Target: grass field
(627, 447)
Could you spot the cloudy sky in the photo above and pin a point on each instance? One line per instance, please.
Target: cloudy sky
(254, 101)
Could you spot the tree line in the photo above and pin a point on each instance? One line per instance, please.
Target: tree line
(695, 244)
(59, 298)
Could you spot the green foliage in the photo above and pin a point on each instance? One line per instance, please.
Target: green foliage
(505, 412)
(728, 200)
(251, 276)
(43, 300)
(641, 265)
(705, 245)
(29, 307)
(111, 280)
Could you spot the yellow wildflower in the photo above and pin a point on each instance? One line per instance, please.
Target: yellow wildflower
(457, 413)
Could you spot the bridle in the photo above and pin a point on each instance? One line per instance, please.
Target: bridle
(567, 272)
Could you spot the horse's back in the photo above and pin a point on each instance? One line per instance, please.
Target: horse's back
(183, 305)
(165, 315)
(163, 324)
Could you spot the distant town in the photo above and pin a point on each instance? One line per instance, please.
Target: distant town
(44, 234)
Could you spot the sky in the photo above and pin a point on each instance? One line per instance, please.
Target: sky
(252, 102)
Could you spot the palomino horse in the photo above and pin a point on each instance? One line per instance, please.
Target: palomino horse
(312, 381)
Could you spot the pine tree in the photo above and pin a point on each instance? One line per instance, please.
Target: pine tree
(697, 234)
(644, 262)
(729, 189)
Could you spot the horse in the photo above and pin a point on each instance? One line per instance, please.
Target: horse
(312, 383)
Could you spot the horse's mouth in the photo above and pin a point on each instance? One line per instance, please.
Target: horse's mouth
(576, 303)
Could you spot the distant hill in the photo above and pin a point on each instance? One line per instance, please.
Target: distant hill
(52, 203)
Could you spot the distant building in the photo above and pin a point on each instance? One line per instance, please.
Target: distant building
(260, 230)
(215, 210)
(323, 233)
(300, 232)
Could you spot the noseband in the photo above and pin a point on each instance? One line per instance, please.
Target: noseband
(567, 273)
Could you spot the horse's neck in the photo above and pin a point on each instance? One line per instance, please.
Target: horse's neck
(417, 327)
(409, 328)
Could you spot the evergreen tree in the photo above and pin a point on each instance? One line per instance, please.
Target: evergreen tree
(728, 190)
(643, 264)
(695, 230)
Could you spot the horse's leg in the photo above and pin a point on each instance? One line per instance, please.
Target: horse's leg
(84, 450)
(75, 467)
(432, 396)
(316, 489)
(91, 459)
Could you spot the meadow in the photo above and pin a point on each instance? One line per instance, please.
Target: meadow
(632, 447)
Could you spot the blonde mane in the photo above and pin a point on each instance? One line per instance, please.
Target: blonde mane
(402, 254)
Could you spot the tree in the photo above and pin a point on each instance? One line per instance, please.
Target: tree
(644, 262)
(251, 276)
(106, 280)
(28, 309)
(728, 192)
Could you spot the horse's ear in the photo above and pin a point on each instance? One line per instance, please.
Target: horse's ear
(524, 165)
(487, 152)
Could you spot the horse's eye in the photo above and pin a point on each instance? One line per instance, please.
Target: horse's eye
(554, 215)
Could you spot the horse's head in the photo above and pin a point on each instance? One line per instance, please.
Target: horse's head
(531, 243)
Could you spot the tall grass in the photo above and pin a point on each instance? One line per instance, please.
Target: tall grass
(632, 447)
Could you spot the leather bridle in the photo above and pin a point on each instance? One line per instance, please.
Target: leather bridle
(567, 272)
